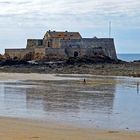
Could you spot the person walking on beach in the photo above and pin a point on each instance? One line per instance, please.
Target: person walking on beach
(137, 87)
(84, 81)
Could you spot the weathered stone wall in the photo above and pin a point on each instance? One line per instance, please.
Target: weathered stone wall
(34, 43)
(71, 43)
(106, 44)
(94, 51)
(75, 51)
(56, 43)
(39, 53)
(55, 53)
(90, 47)
(18, 53)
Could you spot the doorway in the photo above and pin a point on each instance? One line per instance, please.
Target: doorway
(76, 54)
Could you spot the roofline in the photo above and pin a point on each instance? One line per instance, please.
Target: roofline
(61, 32)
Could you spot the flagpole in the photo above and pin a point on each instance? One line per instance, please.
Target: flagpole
(109, 29)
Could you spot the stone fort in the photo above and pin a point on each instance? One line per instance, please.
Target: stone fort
(63, 45)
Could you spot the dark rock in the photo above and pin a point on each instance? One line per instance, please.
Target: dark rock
(90, 60)
(13, 62)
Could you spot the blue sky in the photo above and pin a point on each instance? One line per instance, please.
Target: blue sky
(22, 19)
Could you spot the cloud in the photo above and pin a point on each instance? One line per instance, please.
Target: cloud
(5, 2)
(69, 6)
(118, 7)
(88, 13)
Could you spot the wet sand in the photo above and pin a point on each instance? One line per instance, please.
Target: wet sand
(16, 129)
(23, 76)
(22, 129)
(30, 76)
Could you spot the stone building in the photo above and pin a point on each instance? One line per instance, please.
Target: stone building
(62, 45)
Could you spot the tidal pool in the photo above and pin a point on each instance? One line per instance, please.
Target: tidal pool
(100, 102)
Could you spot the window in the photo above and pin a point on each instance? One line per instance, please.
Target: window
(48, 44)
(40, 42)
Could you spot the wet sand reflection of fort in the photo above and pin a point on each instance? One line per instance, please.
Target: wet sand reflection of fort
(66, 96)
(58, 96)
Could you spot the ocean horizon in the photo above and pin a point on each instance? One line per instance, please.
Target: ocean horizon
(128, 57)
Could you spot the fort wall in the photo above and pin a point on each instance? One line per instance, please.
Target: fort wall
(57, 45)
(90, 47)
(34, 43)
(18, 53)
(39, 53)
(106, 44)
(55, 53)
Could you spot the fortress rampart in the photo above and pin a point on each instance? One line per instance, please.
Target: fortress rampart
(62, 45)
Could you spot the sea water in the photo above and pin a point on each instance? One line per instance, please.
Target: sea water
(128, 57)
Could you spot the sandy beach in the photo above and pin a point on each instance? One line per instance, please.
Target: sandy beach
(26, 76)
(22, 129)
(16, 129)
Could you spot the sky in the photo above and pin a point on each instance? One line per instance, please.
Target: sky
(23, 19)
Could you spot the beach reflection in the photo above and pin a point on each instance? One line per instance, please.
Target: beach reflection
(99, 102)
(70, 99)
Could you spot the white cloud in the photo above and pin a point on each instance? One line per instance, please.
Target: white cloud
(128, 7)
(55, 13)
(87, 12)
